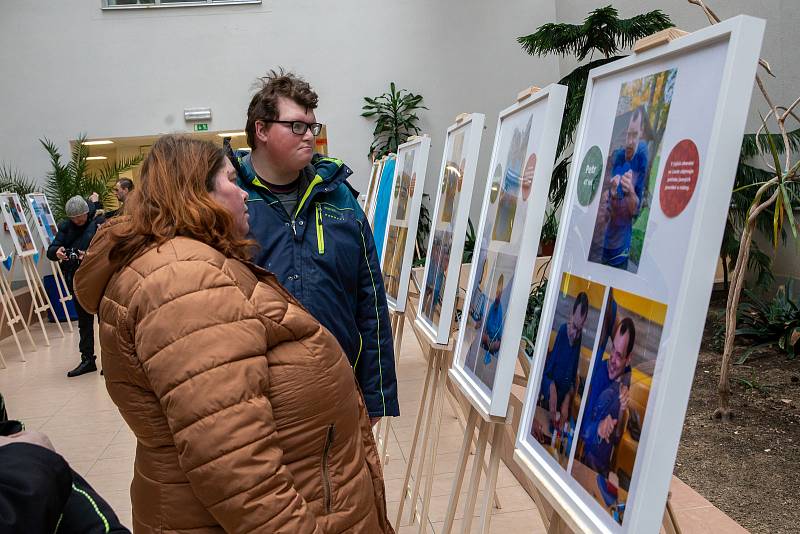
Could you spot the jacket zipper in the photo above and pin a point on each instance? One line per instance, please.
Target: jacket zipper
(320, 233)
(326, 477)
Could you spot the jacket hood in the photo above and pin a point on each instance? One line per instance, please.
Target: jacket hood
(96, 270)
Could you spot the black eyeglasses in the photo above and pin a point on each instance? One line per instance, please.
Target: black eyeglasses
(300, 127)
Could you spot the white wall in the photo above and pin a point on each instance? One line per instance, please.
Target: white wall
(70, 67)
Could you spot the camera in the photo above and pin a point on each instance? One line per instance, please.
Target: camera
(73, 254)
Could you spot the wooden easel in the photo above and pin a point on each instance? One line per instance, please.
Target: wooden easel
(397, 320)
(493, 425)
(40, 302)
(12, 315)
(63, 291)
(428, 424)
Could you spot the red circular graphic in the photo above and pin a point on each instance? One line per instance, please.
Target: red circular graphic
(680, 178)
(527, 177)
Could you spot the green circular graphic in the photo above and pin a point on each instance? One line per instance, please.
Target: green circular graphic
(589, 176)
(498, 175)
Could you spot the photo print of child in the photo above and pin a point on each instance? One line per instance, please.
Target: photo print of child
(393, 259)
(572, 337)
(404, 186)
(616, 402)
(487, 316)
(451, 181)
(443, 230)
(510, 186)
(398, 227)
(631, 171)
(437, 275)
(44, 218)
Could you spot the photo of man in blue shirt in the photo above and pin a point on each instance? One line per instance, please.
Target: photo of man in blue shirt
(559, 379)
(622, 200)
(601, 428)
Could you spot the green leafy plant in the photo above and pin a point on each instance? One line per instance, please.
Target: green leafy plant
(423, 231)
(753, 384)
(602, 32)
(469, 243)
(13, 181)
(395, 119)
(66, 180)
(748, 178)
(549, 233)
(767, 323)
(533, 316)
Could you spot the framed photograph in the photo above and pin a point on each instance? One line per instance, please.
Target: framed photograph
(655, 158)
(401, 232)
(14, 217)
(378, 214)
(449, 228)
(374, 179)
(514, 203)
(42, 217)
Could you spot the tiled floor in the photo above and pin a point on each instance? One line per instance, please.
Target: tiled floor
(87, 430)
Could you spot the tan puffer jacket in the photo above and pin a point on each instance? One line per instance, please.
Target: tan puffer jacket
(246, 411)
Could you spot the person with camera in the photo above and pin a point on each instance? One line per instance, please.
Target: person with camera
(69, 246)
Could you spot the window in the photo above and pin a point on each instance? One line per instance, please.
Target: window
(125, 4)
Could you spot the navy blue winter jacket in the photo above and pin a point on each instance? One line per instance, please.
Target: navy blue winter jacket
(324, 254)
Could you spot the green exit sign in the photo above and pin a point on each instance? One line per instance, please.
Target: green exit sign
(201, 127)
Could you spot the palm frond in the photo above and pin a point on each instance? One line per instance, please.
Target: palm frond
(109, 175)
(576, 90)
(753, 145)
(13, 181)
(602, 31)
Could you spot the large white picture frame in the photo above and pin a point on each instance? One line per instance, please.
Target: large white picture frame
(655, 159)
(514, 203)
(378, 212)
(448, 228)
(42, 217)
(14, 217)
(403, 219)
(374, 179)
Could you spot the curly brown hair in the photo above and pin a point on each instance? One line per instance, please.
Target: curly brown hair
(173, 200)
(264, 104)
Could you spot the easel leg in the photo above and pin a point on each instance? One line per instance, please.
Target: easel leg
(8, 314)
(434, 358)
(461, 467)
(63, 291)
(397, 330)
(46, 305)
(14, 313)
(414, 442)
(491, 478)
(35, 302)
(426, 499)
(670, 522)
(475, 477)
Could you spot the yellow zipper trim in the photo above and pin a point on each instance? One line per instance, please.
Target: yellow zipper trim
(317, 180)
(320, 233)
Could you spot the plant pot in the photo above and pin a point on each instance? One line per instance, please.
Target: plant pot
(548, 248)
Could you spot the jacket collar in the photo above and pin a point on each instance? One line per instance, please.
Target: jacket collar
(323, 172)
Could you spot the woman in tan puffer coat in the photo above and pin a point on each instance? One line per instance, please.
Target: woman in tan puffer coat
(246, 412)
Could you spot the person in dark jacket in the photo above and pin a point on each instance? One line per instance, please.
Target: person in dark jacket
(313, 235)
(69, 246)
(41, 494)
